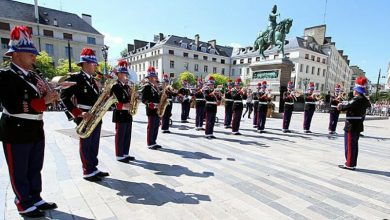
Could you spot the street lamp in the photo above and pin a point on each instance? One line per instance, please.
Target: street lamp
(305, 82)
(105, 55)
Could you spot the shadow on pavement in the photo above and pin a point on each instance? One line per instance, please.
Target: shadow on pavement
(56, 214)
(170, 170)
(376, 172)
(152, 194)
(189, 154)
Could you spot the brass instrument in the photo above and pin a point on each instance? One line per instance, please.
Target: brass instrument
(295, 95)
(164, 102)
(39, 76)
(104, 102)
(133, 108)
(342, 96)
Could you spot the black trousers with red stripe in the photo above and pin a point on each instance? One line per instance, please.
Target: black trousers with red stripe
(185, 109)
(351, 140)
(333, 119)
(152, 129)
(166, 117)
(122, 139)
(228, 114)
(287, 118)
(89, 149)
(236, 120)
(210, 122)
(200, 115)
(25, 162)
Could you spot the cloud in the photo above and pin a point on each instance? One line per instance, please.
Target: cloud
(111, 39)
(235, 45)
(116, 45)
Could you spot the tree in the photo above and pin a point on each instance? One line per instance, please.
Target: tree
(100, 67)
(46, 65)
(63, 67)
(124, 52)
(219, 79)
(6, 63)
(189, 76)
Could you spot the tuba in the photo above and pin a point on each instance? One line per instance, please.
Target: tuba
(104, 102)
(133, 101)
(164, 102)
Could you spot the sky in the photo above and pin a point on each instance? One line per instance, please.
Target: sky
(359, 27)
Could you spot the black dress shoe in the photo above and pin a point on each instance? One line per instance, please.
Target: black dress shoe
(342, 166)
(238, 133)
(261, 131)
(213, 137)
(33, 214)
(47, 206)
(130, 157)
(158, 146)
(166, 132)
(102, 174)
(94, 178)
(153, 147)
(124, 160)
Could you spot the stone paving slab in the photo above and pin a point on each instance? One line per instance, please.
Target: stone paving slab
(253, 176)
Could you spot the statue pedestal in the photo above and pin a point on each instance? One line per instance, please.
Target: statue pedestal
(277, 73)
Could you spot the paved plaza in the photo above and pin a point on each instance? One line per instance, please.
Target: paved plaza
(253, 176)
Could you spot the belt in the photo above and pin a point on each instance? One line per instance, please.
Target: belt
(124, 108)
(263, 103)
(228, 100)
(86, 107)
(353, 117)
(38, 117)
(256, 101)
(170, 100)
(289, 103)
(200, 99)
(313, 103)
(236, 101)
(333, 106)
(214, 103)
(155, 105)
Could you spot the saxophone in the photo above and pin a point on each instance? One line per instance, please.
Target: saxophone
(164, 102)
(133, 101)
(104, 102)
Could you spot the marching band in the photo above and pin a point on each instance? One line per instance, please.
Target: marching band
(24, 97)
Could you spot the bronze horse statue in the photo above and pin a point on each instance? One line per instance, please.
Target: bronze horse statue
(279, 39)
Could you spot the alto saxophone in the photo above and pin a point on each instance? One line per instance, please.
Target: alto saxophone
(104, 102)
(133, 101)
(164, 102)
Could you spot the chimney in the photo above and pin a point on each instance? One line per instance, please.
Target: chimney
(161, 36)
(197, 39)
(87, 18)
(36, 11)
(213, 43)
(55, 23)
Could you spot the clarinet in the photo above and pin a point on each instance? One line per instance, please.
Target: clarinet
(39, 76)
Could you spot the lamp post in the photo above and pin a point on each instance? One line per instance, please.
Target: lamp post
(305, 82)
(105, 55)
(69, 58)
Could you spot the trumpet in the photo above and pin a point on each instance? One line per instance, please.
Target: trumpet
(39, 76)
(317, 96)
(342, 96)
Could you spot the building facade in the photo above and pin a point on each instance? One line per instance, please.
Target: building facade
(356, 72)
(173, 55)
(53, 31)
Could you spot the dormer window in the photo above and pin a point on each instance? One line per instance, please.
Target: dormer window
(194, 47)
(212, 51)
(203, 49)
(183, 45)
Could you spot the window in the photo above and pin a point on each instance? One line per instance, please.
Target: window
(213, 51)
(222, 61)
(68, 36)
(194, 47)
(249, 60)
(205, 57)
(247, 71)
(257, 59)
(240, 71)
(276, 56)
(214, 59)
(323, 72)
(91, 40)
(172, 64)
(143, 66)
(307, 69)
(234, 62)
(318, 71)
(48, 33)
(214, 69)
(318, 59)
(49, 49)
(156, 64)
(171, 52)
(223, 71)
(186, 65)
(4, 43)
(183, 45)
(242, 61)
(312, 70)
(203, 49)
(323, 61)
(233, 72)
(317, 86)
(300, 68)
(322, 87)
(68, 51)
(313, 58)
(185, 54)
(307, 56)
(205, 69)
(196, 67)
(5, 26)
(196, 56)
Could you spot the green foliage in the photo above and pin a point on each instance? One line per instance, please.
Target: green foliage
(101, 67)
(6, 63)
(63, 67)
(124, 52)
(187, 75)
(219, 79)
(382, 96)
(46, 65)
